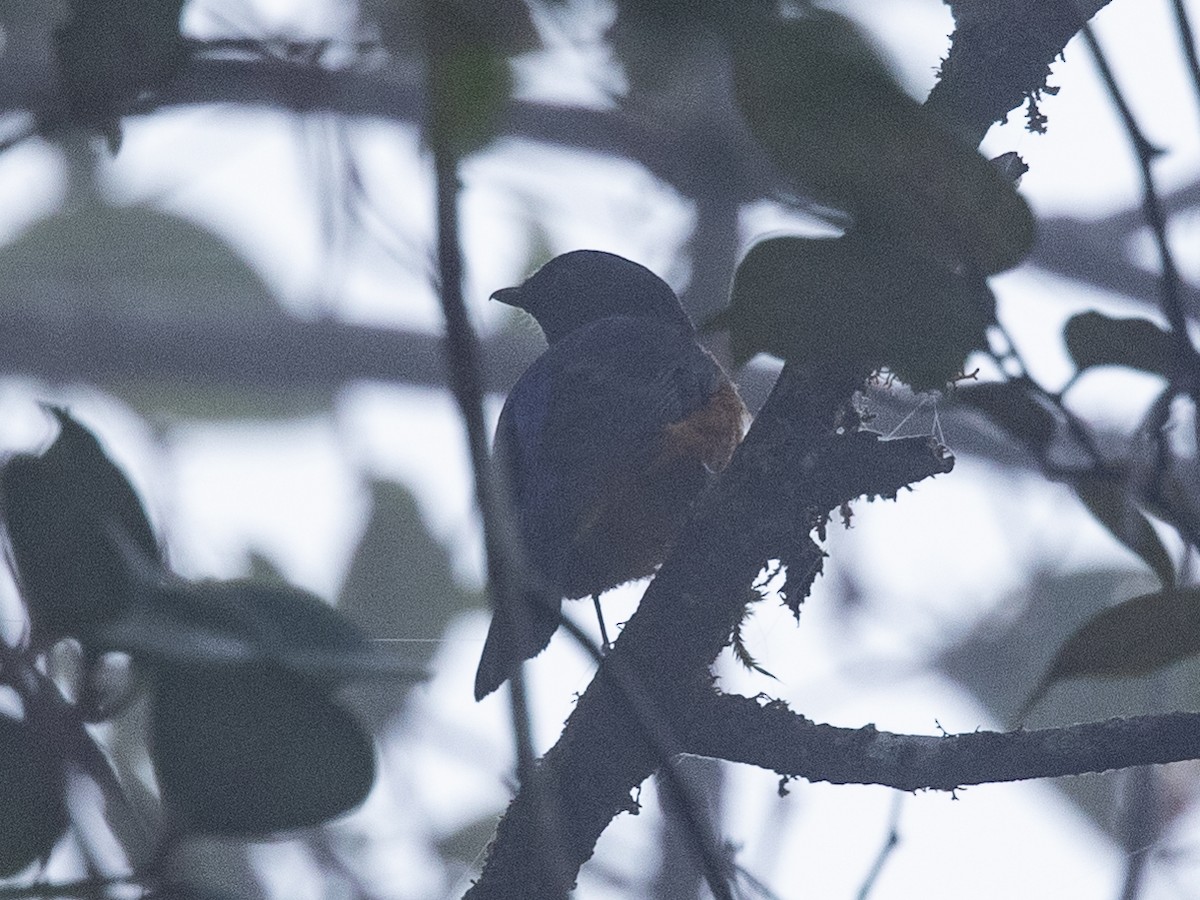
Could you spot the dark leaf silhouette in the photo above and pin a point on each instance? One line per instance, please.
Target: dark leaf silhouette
(400, 589)
(1010, 405)
(1136, 637)
(1110, 503)
(31, 805)
(1094, 339)
(239, 622)
(65, 513)
(856, 303)
(252, 750)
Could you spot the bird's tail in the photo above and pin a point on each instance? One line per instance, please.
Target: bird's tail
(514, 636)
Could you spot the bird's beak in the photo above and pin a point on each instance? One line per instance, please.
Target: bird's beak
(510, 296)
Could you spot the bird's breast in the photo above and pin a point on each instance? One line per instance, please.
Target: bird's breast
(629, 532)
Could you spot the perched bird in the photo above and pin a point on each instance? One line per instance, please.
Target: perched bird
(605, 440)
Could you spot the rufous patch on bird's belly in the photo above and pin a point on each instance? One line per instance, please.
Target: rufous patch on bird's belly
(710, 434)
(630, 532)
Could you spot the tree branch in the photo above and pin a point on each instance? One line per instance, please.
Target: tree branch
(1000, 56)
(788, 467)
(771, 736)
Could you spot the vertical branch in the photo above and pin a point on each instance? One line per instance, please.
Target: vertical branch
(464, 360)
(890, 842)
(1140, 827)
(504, 558)
(680, 870)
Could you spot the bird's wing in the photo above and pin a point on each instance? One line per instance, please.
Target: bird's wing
(594, 405)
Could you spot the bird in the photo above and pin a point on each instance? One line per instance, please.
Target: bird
(604, 442)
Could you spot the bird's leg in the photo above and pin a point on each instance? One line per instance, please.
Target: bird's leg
(604, 645)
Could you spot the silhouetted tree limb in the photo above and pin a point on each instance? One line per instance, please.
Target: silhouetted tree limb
(769, 735)
(1000, 56)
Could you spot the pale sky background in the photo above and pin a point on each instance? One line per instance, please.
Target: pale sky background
(942, 557)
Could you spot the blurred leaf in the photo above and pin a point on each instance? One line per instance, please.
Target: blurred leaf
(1138, 636)
(856, 303)
(1109, 502)
(234, 623)
(465, 843)
(1007, 653)
(111, 52)
(64, 513)
(253, 750)
(468, 87)
(668, 50)
(401, 590)
(146, 272)
(127, 743)
(825, 107)
(1094, 339)
(206, 867)
(31, 798)
(505, 24)
(1010, 406)
(467, 47)
(133, 259)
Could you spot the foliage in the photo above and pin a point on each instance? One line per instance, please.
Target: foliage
(857, 302)
(250, 683)
(245, 739)
(829, 112)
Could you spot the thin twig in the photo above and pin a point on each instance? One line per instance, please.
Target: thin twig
(890, 843)
(605, 643)
(466, 382)
(1186, 362)
(467, 385)
(1151, 204)
(1188, 41)
(1074, 425)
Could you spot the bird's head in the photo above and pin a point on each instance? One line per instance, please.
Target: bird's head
(586, 285)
